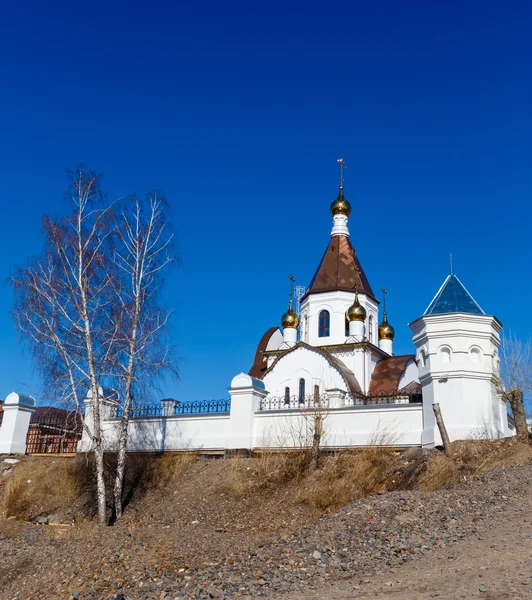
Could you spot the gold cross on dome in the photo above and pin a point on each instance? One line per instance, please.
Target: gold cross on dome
(384, 294)
(292, 280)
(341, 161)
(357, 272)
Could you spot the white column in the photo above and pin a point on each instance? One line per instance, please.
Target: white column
(108, 400)
(290, 336)
(169, 407)
(339, 225)
(356, 330)
(16, 422)
(386, 346)
(246, 393)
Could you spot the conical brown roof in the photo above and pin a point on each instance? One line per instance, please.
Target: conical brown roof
(339, 269)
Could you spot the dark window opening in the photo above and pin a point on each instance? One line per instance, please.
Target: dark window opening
(301, 391)
(324, 322)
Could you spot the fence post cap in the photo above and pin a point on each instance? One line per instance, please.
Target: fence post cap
(243, 380)
(22, 399)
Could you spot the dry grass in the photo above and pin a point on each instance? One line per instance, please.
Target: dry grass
(348, 476)
(469, 458)
(45, 486)
(166, 469)
(351, 475)
(40, 486)
(266, 469)
(66, 486)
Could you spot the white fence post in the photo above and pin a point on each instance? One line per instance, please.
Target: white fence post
(246, 393)
(108, 406)
(169, 407)
(16, 422)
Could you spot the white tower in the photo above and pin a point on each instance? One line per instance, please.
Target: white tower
(457, 353)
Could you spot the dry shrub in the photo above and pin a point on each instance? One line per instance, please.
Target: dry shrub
(40, 486)
(68, 486)
(348, 476)
(471, 457)
(265, 469)
(167, 468)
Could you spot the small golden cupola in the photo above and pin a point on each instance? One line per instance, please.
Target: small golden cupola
(341, 205)
(356, 312)
(340, 208)
(290, 319)
(386, 331)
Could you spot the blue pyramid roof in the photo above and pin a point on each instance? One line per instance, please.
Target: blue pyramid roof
(452, 297)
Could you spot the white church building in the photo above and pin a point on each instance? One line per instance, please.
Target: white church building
(331, 358)
(337, 347)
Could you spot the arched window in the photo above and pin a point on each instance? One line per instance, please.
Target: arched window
(305, 328)
(475, 354)
(346, 327)
(316, 394)
(301, 391)
(445, 354)
(287, 395)
(370, 329)
(423, 358)
(324, 324)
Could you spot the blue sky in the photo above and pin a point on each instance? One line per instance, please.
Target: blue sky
(238, 112)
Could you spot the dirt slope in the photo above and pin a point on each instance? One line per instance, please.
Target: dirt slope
(195, 540)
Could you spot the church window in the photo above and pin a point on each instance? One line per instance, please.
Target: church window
(324, 324)
(370, 329)
(287, 395)
(475, 354)
(316, 394)
(423, 358)
(445, 354)
(305, 328)
(346, 327)
(301, 391)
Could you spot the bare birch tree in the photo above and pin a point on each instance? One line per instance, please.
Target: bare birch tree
(60, 302)
(516, 379)
(143, 252)
(89, 307)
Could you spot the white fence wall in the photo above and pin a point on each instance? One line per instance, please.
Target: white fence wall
(248, 427)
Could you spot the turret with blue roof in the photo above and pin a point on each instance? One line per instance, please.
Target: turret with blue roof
(457, 355)
(453, 297)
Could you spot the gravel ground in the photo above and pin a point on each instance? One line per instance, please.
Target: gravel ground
(370, 539)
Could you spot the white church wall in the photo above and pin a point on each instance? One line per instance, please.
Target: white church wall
(336, 303)
(316, 371)
(400, 425)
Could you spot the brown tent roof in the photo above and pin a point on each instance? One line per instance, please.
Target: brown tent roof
(260, 364)
(388, 373)
(339, 269)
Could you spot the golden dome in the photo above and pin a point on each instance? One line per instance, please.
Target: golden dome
(290, 319)
(341, 206)
(356, 312)
(386, 331)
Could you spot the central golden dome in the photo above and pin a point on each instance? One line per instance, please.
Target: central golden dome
(290, 319)
(386, 331)
(356, 312)
(341, 206)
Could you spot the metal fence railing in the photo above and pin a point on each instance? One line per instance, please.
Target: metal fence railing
(197, 407)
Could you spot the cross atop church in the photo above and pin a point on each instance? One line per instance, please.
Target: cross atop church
(356, 269)
(292, 280)
(341, 161)
(384, 294)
